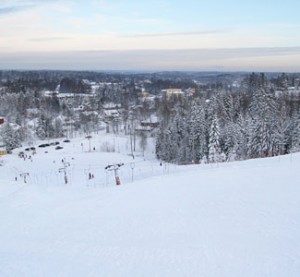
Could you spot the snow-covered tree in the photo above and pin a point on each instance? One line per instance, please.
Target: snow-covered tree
(198, 131)
(143, 141)
(9, 137)
(58, 128)
(263, 111)
(44, 128)
(214, 154)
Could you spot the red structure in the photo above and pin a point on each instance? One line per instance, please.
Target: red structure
(1, 120)
(115, 168)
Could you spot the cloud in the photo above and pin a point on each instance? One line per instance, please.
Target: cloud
(14, 9)
(231, 59)
(45, 39)
(25, 2)
(193, 33)
(10, 7)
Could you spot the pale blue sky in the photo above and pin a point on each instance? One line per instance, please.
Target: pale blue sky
(37, 30)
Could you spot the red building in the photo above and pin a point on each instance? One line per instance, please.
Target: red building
(1, 120)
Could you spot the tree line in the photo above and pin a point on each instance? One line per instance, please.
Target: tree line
(260, 118)
(220, 121)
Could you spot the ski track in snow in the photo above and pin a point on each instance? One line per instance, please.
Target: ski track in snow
(231, 219)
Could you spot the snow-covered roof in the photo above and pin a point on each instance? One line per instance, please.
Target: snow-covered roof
(111, 113)
(173, 91)
(111, 105)
(90, 113)
(49, 92)
(32, 111)
(72, 95)
(151, 119)
(79, 108)
(143, 129)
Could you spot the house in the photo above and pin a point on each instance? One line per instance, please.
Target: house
(152, 122)
(172, 91)
(2, 150)
(32, 113)
(143, 94)
(111, 116)
(148, 125)
(79, 108)
(111, 110)
(293, 91)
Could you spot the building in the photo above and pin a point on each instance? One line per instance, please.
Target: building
(172, 91)
(111, 116)
(148, 125)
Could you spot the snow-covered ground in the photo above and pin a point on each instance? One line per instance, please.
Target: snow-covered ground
(231, 219)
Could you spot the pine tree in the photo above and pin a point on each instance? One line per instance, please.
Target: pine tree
(198, 132)
(178, 133)
(263, 112)
(9, 138)
(293, 133)
(41, 127)
(214, 142)
(44, 128)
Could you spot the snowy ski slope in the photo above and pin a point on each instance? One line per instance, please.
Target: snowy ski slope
(231, 219)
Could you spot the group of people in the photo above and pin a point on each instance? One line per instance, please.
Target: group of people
(91, 176)
(25, 157)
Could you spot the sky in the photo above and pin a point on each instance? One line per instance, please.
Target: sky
(257, 35)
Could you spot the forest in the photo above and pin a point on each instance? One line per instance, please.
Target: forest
(215, 117)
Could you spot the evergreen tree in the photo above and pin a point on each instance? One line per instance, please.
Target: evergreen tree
(9, 138)
(44, 128)
(198, 131)
(263, 111)
(214, 154)
(293, 133)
